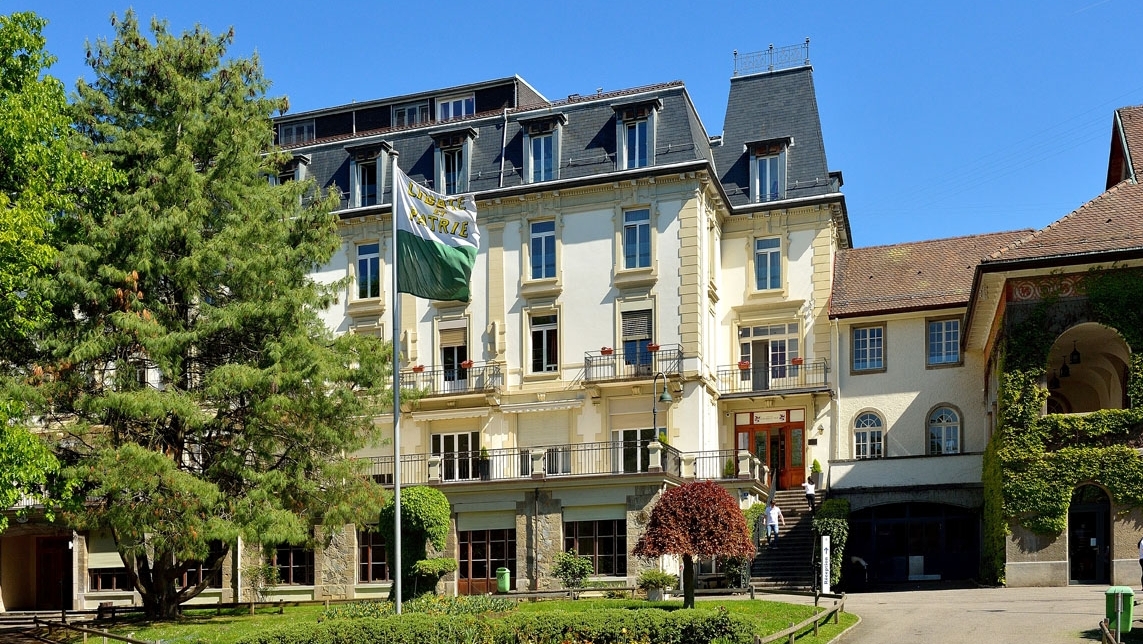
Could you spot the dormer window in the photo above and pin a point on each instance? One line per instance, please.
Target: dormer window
(410, 113)
(455, 107)
(366, 173)
(768, 169)
(542, 148)
(294, 133)
(635, 134)
(453, 156)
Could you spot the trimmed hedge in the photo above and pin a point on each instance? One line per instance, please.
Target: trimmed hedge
(608, 626)
(832, 519)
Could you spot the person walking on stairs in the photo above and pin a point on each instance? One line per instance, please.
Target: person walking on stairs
(773, 516)
(808, 486)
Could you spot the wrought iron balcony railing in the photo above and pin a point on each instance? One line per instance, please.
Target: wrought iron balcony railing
(570, 460)
(477, 378)
(746, 378)
(632, 365)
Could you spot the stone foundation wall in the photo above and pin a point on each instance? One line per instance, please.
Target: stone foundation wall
(335, 564)
(638, 514)
(539, 538)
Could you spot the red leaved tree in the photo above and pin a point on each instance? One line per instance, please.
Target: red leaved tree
(695, 520)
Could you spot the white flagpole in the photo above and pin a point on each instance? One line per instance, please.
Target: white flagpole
(396, 402)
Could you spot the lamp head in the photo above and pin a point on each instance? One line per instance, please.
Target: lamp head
(665, 397)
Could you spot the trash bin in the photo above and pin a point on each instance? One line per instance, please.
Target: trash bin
(1125, 607)
(504, 580)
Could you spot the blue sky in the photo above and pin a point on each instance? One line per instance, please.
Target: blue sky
(946, 118)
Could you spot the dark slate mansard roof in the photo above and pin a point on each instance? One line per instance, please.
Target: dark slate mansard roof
(588, 145)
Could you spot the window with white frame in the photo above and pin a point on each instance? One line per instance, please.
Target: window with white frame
(944, 431)
(636, 335)
(636, 139)
(298, 132)
(869, 348)
(367, 183)
(543, 156)
(410, 113)
(943, 342)
(768, 171)
(545, 343)
(636, 135)
(458, 452)
(368, 271)
(542, 148)
(630, 452)
(637, 238)
(542, 249)
(767, 264)
(868, 436)
(452, 159)
(769, 348)
(454, 107)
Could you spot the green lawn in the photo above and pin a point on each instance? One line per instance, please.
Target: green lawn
(206, 626)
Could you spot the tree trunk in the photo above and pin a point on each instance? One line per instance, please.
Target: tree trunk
(688, 582)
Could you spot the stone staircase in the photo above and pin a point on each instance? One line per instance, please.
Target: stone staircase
(788, 563)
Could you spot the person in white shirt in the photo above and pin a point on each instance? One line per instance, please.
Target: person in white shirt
(773, 516)
(808, 486)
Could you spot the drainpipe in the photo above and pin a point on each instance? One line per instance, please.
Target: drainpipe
(503, 145)
(836, 402)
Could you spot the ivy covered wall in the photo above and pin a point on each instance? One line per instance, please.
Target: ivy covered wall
(1033, 462)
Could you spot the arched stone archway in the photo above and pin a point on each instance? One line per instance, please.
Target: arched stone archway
(1089, 536)
(1087, 370)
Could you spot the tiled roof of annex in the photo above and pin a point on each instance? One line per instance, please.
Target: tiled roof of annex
(1111, 222)
(911, 276)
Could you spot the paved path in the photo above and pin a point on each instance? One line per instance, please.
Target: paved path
(980, 616)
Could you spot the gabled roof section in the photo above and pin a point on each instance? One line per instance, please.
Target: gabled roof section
(773, 105)
(1126, 146)
(1110, 223)
(913, 276)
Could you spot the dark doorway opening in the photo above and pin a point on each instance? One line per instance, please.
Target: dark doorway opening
(53, 573)
(1089, 529)
(914, 542)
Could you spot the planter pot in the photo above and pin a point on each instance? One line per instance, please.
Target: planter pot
(655, 594)
(467, 364)
(606, 351)
(418, 368)
(796, 361)
(743, 365)
(652, 347)
(484, 468)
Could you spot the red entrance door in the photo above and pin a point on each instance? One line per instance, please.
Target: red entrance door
(781, 446)
(53, 573)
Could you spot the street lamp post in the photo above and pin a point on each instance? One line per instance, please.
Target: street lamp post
(665, 397)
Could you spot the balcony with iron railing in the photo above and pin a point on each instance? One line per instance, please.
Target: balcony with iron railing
(748, 379)
(567, 461)
(607, 364)
(475, 378)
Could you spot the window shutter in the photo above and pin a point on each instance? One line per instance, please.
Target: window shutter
(636, 325)
(453, 337)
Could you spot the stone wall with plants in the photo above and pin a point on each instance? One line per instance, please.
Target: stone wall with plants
(1033, 462)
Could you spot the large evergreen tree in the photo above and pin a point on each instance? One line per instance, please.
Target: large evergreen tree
(202, 396)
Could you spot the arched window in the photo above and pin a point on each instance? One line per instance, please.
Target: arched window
(868, 437)
(944, 431)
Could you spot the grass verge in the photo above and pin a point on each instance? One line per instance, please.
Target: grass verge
(202, 626)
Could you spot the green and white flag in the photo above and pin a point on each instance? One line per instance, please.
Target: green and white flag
(437, 240)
